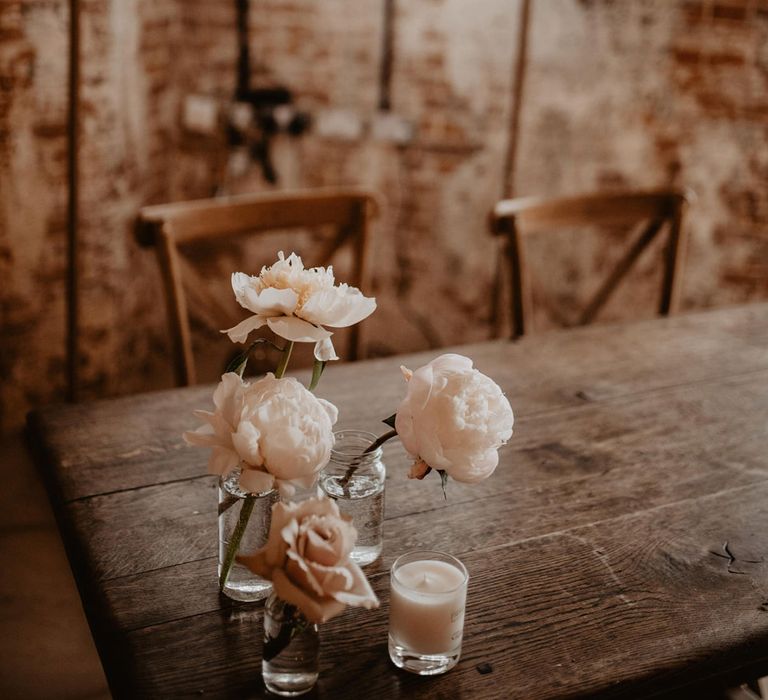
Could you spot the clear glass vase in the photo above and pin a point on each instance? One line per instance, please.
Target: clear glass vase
(245, 517)
(291, 650)
(356, 482)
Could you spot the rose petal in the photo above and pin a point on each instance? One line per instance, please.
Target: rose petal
(359, 594)
(315, 610)
(297, 330)
(319, 549)
(257, 563)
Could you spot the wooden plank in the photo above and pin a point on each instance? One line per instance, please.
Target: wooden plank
(136, 441)
(601, 465)
(639, 450)
(584, 613)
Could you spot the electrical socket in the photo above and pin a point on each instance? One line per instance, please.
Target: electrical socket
(391, 128)
(342, 124)
(201, 114)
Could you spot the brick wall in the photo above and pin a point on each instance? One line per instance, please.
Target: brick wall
(619, 93)
(33, 197)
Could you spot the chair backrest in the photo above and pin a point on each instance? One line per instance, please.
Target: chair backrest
(167, 226)
(651, 211)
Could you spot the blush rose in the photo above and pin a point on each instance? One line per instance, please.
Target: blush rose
(307, 558)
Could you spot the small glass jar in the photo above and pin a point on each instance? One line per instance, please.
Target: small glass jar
(290, 656)
(427, 598)
(355, 480)
(247, 517)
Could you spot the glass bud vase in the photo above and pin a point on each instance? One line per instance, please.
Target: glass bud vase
(356, 482)
(244, 516)
(291, 649)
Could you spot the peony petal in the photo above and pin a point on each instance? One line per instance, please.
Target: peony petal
(451, 362)
(274, 302)
(239, 333)
(477, 469)
(202, 437)
(337, 307)
(242, 285)
(324, 351)
(256, 482)
(330, 409)
(222, 461)
(297, 330)
(246, 443)
(228, 399)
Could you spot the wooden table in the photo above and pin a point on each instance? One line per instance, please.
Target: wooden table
(619, 550)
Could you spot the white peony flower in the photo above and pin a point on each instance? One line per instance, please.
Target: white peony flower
(453, 418)
(307, 559)
(221, 424)
(277, 431)
(298, 303)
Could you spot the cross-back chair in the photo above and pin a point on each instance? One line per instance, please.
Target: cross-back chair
(167, 226)
(516, 219)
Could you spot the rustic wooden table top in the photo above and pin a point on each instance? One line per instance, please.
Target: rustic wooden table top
(619, 550)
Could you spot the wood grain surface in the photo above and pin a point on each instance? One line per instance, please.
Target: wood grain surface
(596, 551)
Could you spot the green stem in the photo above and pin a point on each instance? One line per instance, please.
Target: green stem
(373, 446)
(288, 630)
(237, 536)
(317, 372)
(280, 371)
(249, 501)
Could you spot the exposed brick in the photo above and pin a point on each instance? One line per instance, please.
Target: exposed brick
(680, 100)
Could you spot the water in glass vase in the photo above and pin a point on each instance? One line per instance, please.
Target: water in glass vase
(356, 482)
(291, 650)
(251, 514)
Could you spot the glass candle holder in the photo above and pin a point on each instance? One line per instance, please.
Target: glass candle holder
(427, 596)
(356, 482)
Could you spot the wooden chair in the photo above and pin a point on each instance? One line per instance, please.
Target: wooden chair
(650, 211)
(168, 226)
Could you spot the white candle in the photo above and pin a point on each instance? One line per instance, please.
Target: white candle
(427, 598)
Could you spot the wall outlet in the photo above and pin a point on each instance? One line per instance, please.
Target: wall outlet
(241, 115)
(201, 114)
(343, 124)
(391, 128)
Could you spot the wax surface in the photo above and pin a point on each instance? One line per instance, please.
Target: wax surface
(426, 613)
(429, 576)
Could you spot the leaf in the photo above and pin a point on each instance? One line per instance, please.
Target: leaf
(391, 420)
(443, 481)
(239, 361)
(317, 372)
